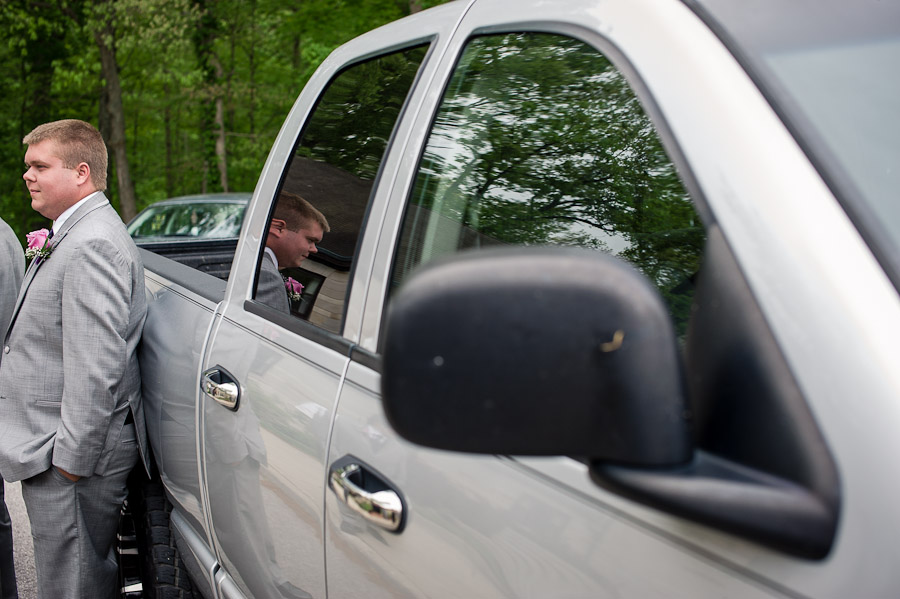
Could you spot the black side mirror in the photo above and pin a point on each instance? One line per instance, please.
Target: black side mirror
(548, 351)
(536, 351)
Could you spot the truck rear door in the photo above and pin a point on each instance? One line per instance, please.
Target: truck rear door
(271, 379)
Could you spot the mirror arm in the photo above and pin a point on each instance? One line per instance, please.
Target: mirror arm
(710, 490)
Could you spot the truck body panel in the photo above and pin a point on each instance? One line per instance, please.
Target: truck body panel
(300, 486)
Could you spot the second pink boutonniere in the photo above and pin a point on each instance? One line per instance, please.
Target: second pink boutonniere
(38, 244)
(294, 288)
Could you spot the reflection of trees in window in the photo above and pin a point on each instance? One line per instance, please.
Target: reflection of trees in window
(344, 141)
(356, 115)
(540, 140)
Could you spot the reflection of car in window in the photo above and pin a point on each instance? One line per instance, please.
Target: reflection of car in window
(214, 216)
(198, 230)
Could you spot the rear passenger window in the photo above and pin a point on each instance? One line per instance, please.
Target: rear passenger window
(318, 212)
(540, 140)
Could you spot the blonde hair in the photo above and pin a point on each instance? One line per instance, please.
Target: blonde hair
(296, 212)
(77, 142)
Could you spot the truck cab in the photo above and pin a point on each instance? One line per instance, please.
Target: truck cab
(601, 312)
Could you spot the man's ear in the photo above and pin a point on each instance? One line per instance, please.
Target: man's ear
(83, 172)
(277, 227)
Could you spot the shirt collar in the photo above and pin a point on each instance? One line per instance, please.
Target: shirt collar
(58, 223)
(271, 254)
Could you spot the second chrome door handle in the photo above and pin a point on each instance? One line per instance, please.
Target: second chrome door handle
(221, 386)
(367, 494)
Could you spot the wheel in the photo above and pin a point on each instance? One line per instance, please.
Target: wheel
(162, 573)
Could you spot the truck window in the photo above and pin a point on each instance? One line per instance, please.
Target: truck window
(540, 140)
(332, 171)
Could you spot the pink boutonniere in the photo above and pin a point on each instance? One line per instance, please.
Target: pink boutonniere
(38, 244)
(294, 288)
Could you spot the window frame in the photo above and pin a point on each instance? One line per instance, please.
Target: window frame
(376, 310)
(433, 207)
(334, 340)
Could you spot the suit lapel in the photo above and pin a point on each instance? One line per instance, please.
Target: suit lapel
(93, 204)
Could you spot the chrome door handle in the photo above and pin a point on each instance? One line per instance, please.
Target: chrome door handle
(367, 494)
(221, 386)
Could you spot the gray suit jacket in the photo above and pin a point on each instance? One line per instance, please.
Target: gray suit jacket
(270, 288)
(69, 374)
(12, 268)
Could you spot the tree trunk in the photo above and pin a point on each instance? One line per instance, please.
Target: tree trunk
(220, 144)
(251, 60)
(211, 109)
(116, 115)
(220, 128)
(167, 128)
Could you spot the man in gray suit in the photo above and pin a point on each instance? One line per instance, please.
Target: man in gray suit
(12, 267)
(294, 231)
(71, 419)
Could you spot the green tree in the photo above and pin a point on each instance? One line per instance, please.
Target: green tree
(28, 55)
(189, 94)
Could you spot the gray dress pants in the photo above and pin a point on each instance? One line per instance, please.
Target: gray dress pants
(74, 526)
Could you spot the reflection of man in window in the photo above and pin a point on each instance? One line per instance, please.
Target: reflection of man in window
(294, 232)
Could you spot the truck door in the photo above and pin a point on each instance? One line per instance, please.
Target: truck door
(278, 354)
(541, 135)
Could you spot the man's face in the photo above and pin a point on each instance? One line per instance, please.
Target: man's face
(53, 187)
(300, 244)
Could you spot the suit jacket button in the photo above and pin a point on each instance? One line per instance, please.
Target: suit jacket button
(6, 350)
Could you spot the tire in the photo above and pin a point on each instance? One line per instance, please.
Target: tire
(163, 574)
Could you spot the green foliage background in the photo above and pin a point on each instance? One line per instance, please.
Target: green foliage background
(173, 57)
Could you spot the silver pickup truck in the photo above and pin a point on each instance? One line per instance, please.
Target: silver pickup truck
(609, 308)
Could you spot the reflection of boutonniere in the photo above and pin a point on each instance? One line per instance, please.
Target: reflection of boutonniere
(294, 288)
(38, 244)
